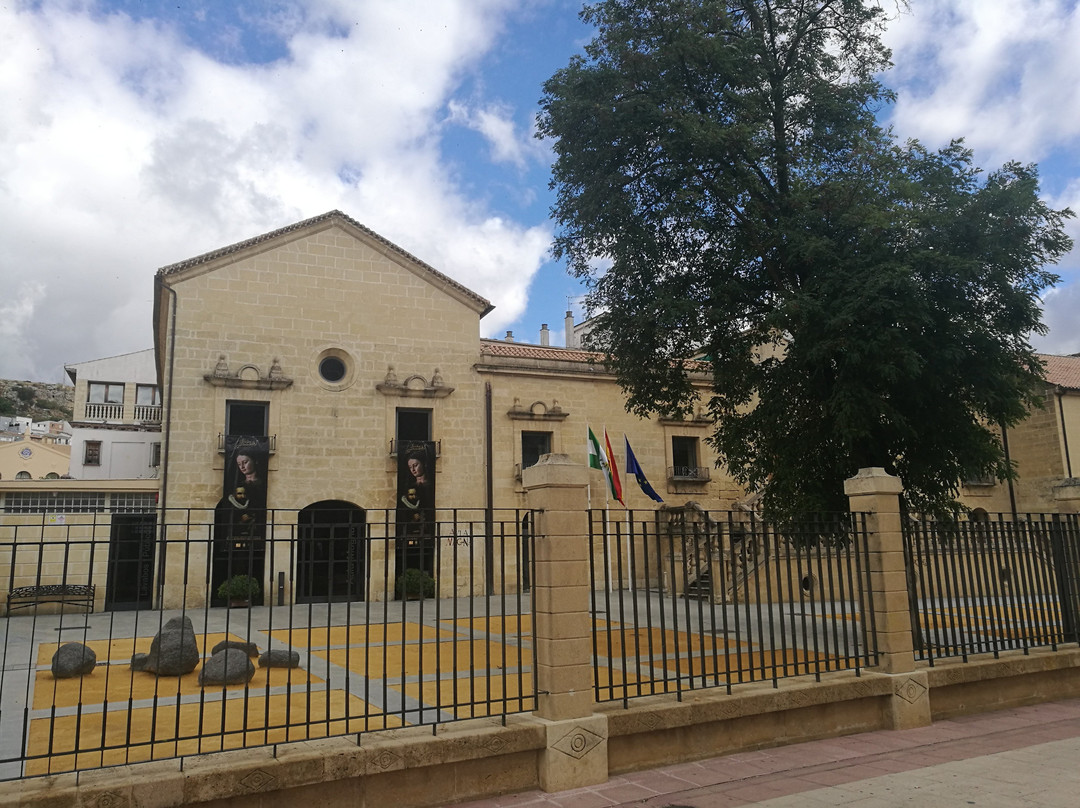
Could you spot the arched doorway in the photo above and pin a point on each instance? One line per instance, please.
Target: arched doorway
(331, 553)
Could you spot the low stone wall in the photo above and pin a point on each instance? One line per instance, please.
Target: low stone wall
(416, 768)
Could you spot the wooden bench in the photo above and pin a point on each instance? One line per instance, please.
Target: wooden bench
(76, 594)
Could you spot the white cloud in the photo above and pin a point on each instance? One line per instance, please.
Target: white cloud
(495, 122)
(1001, 73)
(19, 300)
(123, 149)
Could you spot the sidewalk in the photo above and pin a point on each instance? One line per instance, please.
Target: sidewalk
(1028, 756)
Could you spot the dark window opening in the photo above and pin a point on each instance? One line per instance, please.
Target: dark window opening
(246, 418)
(413, 425)
(92, 453)
(533, 446)
(332, 369)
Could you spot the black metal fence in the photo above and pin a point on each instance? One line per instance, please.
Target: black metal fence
(993, 585)
(379, 622)
(741, 600)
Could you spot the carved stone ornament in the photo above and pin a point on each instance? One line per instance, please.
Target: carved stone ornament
(537, 411)
(248, 377)
(414, 386)
(578, 742)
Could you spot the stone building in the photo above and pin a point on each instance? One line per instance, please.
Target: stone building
(1045, 448)
(333, 358)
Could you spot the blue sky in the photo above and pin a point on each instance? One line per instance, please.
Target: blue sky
(138, 134)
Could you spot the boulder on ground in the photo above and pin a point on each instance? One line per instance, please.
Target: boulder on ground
(229, 666)
(249, 648)
(279, 658)
(73, 659)
(173, 652)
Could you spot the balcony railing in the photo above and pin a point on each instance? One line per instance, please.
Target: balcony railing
(394, 447)
(272, 439)
(148, 413)
(694, 474)
(106, 412)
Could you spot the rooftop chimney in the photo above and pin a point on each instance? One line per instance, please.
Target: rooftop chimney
(509, 336)
(545, 335)
(570, 341)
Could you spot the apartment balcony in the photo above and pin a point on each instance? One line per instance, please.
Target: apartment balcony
(148, 413)
(106, 412)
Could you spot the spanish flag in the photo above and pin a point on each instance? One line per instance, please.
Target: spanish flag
(613, 476)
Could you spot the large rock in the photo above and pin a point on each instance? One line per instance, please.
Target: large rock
(280, 658)
(249, 648)
(230, 666)
(173, 651)
(73, 659)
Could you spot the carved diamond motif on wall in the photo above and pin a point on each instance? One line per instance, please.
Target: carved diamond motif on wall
(258, 780)
(385, 760)
(577, 743)
(910, 691)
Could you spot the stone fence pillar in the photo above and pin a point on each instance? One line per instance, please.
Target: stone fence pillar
(877, 494)
(576, 749)
(1067, 495)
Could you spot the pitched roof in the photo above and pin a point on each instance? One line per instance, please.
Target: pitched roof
(330, 216)
(517, 350)
(1064, 371)
(522, 351)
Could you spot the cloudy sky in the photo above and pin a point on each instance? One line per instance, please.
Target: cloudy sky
(138, 133)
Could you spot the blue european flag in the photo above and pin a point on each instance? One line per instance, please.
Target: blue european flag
(632, 467)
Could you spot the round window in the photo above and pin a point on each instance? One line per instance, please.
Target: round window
(332, 369)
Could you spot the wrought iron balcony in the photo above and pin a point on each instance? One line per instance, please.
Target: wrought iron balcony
(688, 474)
(272, 439)
(394, 447)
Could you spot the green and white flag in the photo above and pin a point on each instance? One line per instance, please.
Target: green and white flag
(597, 458)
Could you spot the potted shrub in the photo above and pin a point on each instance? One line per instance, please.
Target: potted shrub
(413, 584)
(239, 590)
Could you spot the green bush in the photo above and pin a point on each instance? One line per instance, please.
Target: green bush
(415, 583)
(239, 587)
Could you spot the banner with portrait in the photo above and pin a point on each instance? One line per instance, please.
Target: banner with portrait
(415, 505)
(244, 486)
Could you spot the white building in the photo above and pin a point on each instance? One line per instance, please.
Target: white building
(116, 425)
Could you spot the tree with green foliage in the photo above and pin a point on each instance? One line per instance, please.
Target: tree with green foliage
(725, 187)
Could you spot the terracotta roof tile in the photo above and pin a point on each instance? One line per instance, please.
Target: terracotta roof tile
(519, 350)
(1063, 371)
(523, 351)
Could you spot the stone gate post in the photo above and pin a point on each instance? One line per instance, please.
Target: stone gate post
(576, 749)
(877, 494)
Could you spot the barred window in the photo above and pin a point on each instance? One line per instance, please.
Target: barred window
(132, 502)
(55, 502)
(80, 502)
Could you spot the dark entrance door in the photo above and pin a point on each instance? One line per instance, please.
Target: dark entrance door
(130, 581)
(330, 564)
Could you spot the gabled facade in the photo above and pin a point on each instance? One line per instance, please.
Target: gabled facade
(116, 427)
(28, 459)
